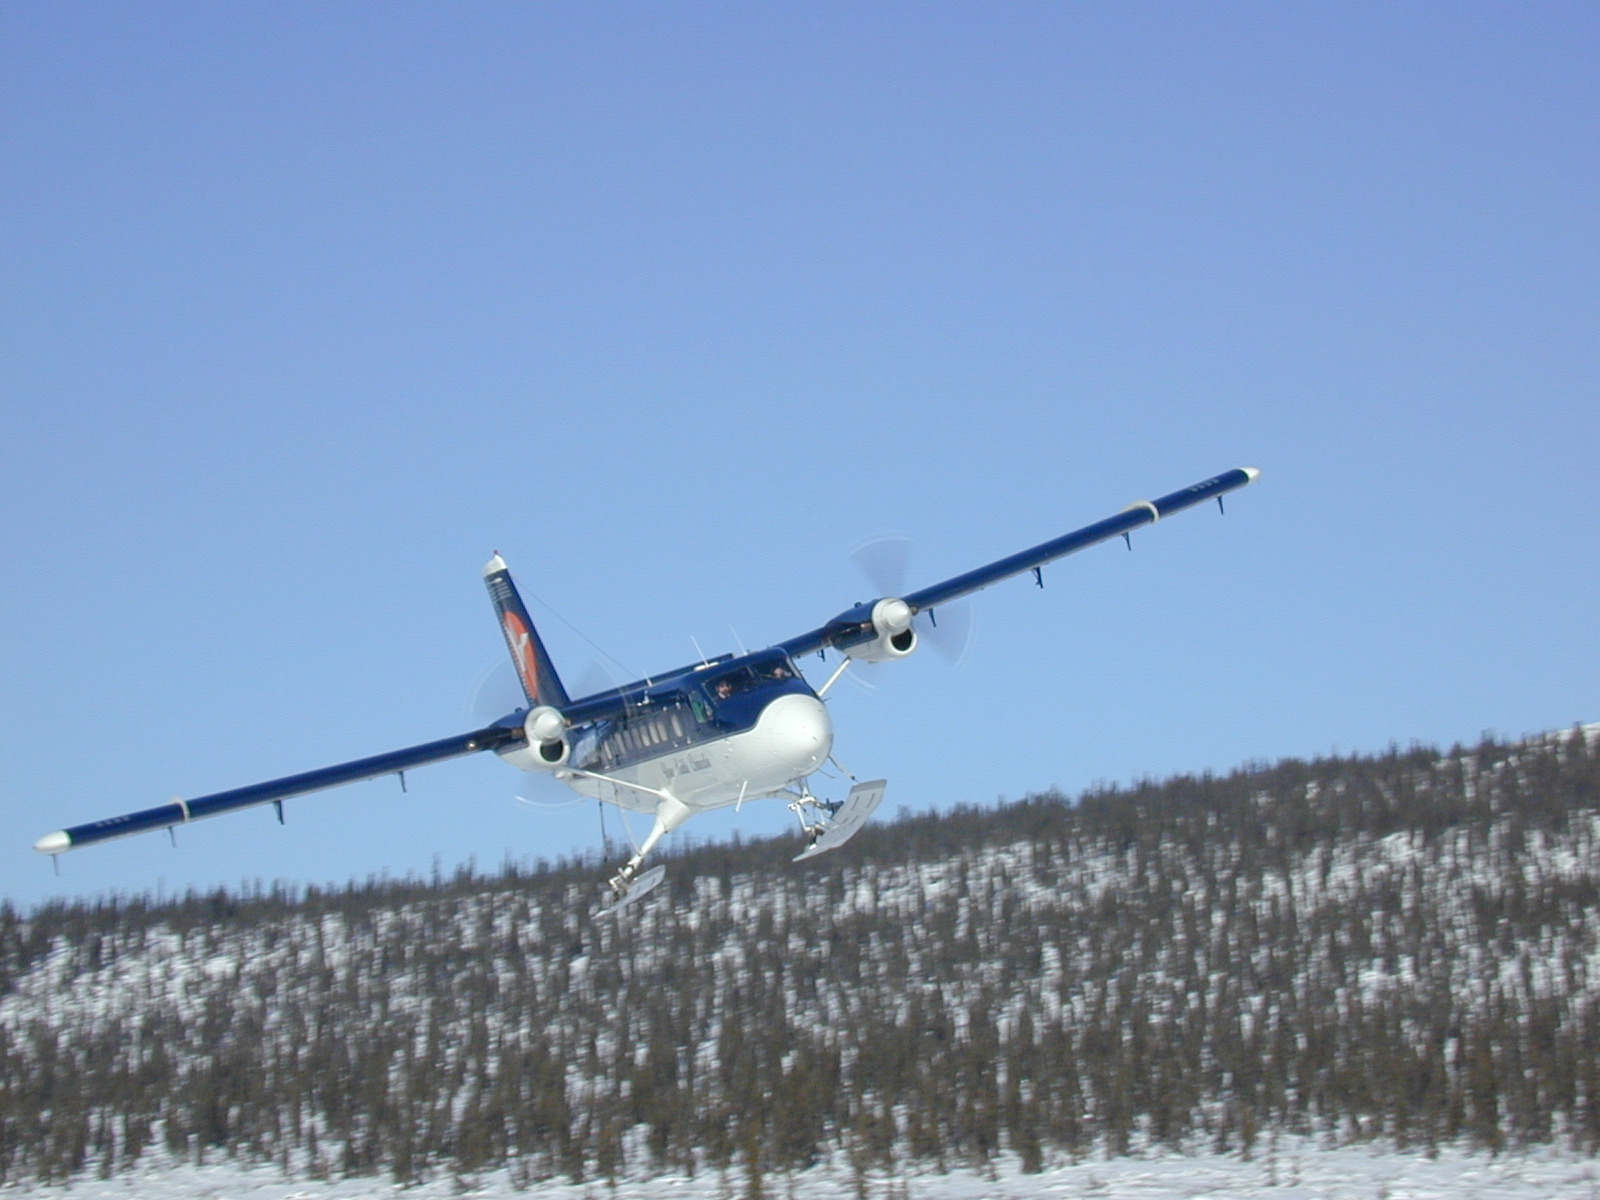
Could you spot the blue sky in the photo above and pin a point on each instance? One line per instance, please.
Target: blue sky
(310, 308)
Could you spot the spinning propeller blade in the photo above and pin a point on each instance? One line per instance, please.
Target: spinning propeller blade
(496, 693)
(948, 630)
(886, 562)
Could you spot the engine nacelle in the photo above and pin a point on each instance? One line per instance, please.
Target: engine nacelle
(893, 635)
(547, 746)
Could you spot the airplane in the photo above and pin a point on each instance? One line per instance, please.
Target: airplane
(718, 732)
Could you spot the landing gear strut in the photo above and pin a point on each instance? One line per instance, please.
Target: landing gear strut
(670, 813)
(813, 814)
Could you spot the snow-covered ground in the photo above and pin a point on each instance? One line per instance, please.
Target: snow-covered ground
(1298, 1171)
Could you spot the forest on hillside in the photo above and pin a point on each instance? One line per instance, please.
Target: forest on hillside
(1399, 947)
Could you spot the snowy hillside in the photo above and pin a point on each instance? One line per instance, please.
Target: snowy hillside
(1296, 1169)
(1400, 949)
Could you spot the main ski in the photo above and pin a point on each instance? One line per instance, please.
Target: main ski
(857, 808)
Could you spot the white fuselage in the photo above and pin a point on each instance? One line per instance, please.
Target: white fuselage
(791, 739)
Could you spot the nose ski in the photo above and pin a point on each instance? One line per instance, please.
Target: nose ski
(857, 808)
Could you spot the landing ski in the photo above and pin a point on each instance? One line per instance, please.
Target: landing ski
(857, 808)
(638, 890)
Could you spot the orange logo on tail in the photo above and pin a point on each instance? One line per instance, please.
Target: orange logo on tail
(521, 644)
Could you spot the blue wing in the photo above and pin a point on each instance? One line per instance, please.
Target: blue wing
(180, 812)
(855, 624)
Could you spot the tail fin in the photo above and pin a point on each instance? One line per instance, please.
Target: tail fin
(540, 683)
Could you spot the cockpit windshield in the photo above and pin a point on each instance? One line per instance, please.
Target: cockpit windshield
(751, 676)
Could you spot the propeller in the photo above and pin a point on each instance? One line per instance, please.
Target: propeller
(886, 562)
(571, 800)
(496, 693)
(594, 677)
(499, 692)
